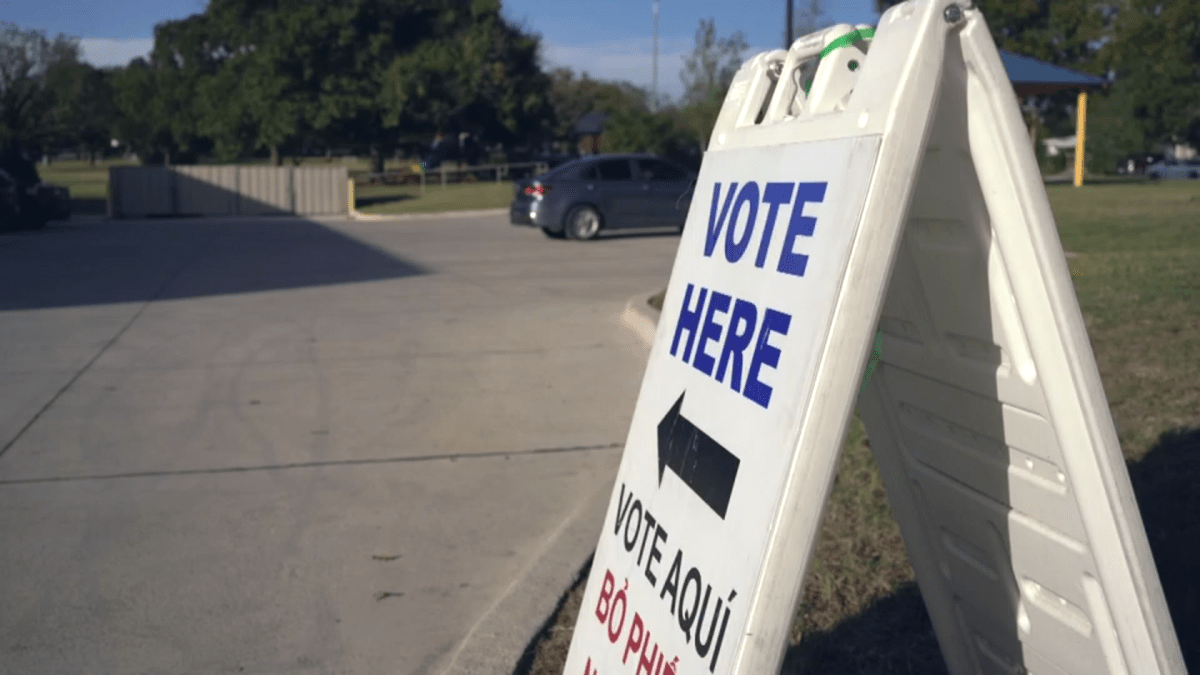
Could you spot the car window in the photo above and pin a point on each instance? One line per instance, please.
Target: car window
(589, 173)
(657, 171)
(565, 171)
(614, 170)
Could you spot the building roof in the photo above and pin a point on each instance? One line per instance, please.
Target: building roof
(1031, 76)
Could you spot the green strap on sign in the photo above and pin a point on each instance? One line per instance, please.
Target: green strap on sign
(874, 360)
(842, 41)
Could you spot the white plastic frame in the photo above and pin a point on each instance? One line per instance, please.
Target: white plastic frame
(933, 80)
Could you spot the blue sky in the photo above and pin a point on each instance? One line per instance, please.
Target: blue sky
(610, 39)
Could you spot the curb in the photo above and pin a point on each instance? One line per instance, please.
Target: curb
(540, 587)
(641, 318)
(358, 215)
(506, 630)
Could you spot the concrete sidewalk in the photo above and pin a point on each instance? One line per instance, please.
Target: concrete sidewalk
(286, 445)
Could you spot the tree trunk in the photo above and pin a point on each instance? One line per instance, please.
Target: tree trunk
(376, 159)
(276, 160)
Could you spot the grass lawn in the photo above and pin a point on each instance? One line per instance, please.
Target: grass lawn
(390, 199)
(1138, 284)
(86, 181)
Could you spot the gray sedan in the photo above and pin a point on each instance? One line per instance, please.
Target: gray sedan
(1172, 169)
(614, 191)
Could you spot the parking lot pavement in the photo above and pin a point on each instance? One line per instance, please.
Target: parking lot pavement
(285, 445)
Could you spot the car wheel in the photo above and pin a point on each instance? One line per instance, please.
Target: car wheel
(1193, 175)
(583, 222)
(554, 234)
(1154, 175)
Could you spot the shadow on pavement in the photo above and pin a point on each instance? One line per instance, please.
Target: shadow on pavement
(896, 636)
(89, 206)
(86, 263)
(361, 202)
(637, 233)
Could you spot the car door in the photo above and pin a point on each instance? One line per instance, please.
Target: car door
(668, 190)
(620, 196)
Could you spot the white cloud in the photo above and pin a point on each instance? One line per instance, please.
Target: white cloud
(101, 52)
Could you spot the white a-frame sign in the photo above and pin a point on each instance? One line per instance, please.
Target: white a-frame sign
(874, 180)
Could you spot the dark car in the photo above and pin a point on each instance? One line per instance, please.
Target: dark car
(1174, 169)
(35, 203)
(614, 191)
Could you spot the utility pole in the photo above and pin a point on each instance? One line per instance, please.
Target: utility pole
(654, 75)
(788, 45)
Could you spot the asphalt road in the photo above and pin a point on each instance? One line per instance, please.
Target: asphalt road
(281, 445)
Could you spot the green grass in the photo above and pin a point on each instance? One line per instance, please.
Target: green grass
(1137, 280)
(394, 199)
(86, 181)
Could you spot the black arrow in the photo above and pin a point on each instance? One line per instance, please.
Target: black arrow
(702, 463)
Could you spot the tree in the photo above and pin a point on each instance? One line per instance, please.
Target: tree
(808, 18)
(1155, 60)
(480, 74)
(1068, 34)
(84, 111)
(26, 57)
(260, 95)
(640, 130)
(1113, 129)
(706, 76)
(161, 100)
(366, 72)
(571, 98)
(282, 76)
(137, 125)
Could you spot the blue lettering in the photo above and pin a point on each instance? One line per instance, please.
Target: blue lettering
(715, 224)
(689, 321)
(719, 303)
(739, 333)
(736, 341)
(765, 355)
(799, 225)
(776, 195)
(735, 250)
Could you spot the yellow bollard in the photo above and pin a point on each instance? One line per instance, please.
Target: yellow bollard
(350, 193)
(1080, 127)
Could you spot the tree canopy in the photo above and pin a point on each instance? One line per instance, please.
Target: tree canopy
(30, 65)
(285, 77)
(707, 73)
(288, 75)
(1148, 49)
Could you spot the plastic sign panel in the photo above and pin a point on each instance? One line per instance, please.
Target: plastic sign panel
(873, 187)
(751, 295)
